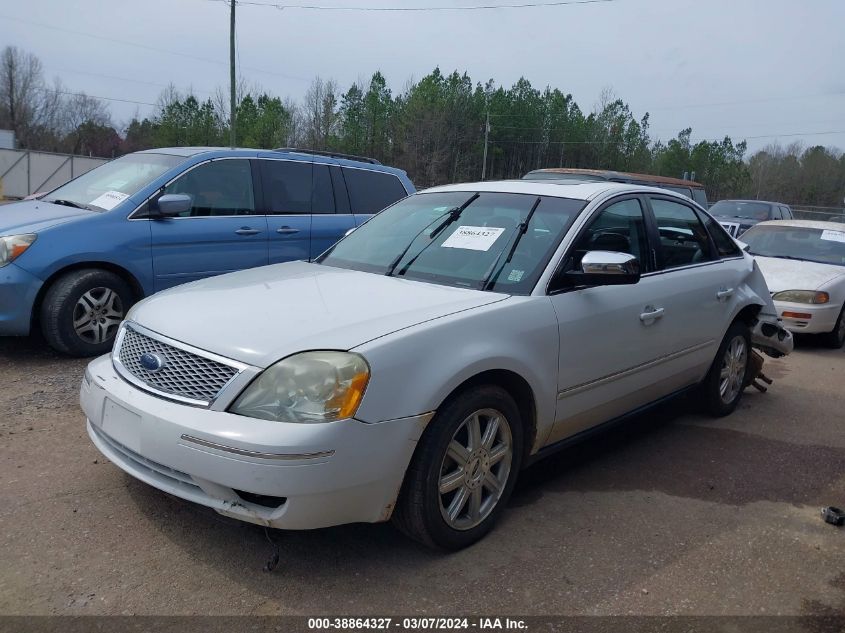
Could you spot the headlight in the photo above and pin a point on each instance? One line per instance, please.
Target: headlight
(307, 387)
(801, 296)
(13, 246)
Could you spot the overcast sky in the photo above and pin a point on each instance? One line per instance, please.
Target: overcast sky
(765, 70)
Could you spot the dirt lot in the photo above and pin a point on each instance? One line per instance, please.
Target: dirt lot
(674, 513)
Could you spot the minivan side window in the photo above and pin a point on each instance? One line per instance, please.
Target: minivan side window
(777, 212)
(372, 191)
(217, 188)
(787, 213)
(287, 186)
(322, 196)
(683, 238)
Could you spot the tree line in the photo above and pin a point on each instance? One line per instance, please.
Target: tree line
(434, 129)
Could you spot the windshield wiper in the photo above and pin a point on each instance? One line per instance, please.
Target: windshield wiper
(70, 203)
(453, 214)
(489, 278)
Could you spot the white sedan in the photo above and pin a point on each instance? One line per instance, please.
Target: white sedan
(803, 262)
(415, 367)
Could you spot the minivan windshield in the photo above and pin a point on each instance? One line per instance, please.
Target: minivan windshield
(482, 240)
(740, 209)
(106, 186)
(825, 246)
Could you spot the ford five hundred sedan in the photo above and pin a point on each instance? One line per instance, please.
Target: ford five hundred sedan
(415, 367)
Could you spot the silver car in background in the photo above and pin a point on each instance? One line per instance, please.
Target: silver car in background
(414, 368)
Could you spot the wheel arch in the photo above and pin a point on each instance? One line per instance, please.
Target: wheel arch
(518, 388)
(128, 277)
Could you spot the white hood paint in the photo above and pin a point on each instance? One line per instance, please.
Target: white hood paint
(792, 274)
(261, 315)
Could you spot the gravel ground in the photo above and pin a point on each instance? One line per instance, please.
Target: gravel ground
(674, 513)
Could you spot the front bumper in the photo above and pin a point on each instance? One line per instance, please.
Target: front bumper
(18, 290)
(770, 336)
(316, 475)
(819, 319)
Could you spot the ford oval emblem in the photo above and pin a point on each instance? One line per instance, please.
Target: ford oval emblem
(151, 362)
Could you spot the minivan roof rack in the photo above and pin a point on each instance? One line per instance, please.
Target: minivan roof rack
(317, 152)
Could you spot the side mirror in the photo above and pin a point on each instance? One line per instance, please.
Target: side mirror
(172, 204)
(605, 268)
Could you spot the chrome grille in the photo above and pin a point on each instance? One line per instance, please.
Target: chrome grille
(731, 227)
(183, 374)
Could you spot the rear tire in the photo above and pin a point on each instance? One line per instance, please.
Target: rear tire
(82, 310)
(463, 470)
(836, 338)
(722, 388)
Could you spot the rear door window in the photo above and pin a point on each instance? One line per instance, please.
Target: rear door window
(372, 191)
(322, 196)
(287, 186)
(700, 197)
(683, 238)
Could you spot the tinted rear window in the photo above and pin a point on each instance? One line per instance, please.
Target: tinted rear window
(372, 191)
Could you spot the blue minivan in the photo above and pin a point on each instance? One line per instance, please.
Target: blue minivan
(73, 261)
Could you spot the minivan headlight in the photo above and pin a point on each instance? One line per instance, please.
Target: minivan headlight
(13, 246)
(308, 387)
(801, 296)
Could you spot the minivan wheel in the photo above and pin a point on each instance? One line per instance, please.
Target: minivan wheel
(82, 310)
(722, 388)
(836, 338)
(463, 471)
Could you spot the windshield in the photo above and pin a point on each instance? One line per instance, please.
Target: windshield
(490, 241)
(747, 210)
(105, 187)
(824, 246)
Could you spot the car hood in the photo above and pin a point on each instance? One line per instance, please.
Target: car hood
(31, 216)
(261, 315)
(791, 274)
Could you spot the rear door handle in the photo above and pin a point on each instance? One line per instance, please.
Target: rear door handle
(651, 314)
(245, 230)
(724, 293)
(286, 230)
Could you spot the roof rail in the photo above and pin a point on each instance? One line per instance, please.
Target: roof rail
(316, 152)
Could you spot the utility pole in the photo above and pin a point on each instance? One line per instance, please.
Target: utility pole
(486, 136)
(232, 75)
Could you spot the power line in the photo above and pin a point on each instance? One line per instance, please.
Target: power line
(85, 94)
(126, 79)
(146, 47)
(479, 7)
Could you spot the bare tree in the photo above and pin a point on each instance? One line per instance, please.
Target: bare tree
(321, 113)
(21, 91)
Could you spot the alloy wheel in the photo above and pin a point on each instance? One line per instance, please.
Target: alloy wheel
(732, 374)
(97, 315)
(475, 469)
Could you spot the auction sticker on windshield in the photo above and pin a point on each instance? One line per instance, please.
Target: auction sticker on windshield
(474, 238)
(109, 200)
(833, 236)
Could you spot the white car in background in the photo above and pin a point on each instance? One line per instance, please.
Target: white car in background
(803, 262)
(416, 366)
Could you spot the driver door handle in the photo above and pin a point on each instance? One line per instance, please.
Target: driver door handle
(286, 230)
(651, 314)
(724, 293)
(245, 230)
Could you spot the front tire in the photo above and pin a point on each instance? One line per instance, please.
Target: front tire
(836, 338)
(463, 471)
(82, 310)
(722, 387)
